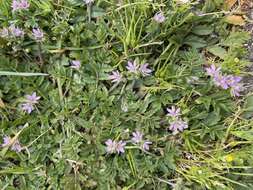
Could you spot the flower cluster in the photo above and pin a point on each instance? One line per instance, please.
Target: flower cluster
(115, 146)
(137, 139)
(225, 81)
(11, 32)
(15, 145)
(30, 101)
(132, 67)
(119, 146)
(20, 5)
(177, 124)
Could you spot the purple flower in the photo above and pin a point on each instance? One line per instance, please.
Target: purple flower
(7, 141)
(38, 34)
(4, 33)
(114, 146)
(110, 146)
(233, 80)
(213, 71)
(16, 146)
(159, 17)
(33, 98)
(137, 137)
(173, 112)
(177, 126)
(20, 5)
(145, 71)
(120, 147)
(75, 64)
(145, 145)
(221, 81)
(236, 89)
(88, 1)
(132, 67)
(27, 107)
(115, 76)
(16, 31)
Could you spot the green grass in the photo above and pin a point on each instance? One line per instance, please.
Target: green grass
(63, 139)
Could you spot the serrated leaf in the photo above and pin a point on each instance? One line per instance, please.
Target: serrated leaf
(236, 39)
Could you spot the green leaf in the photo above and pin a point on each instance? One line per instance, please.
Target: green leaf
(248, 107)
(217, 51)
(195, 41)
(9, 73)
(202, 30)
(97, 12)
(247, 135)
(236, 39)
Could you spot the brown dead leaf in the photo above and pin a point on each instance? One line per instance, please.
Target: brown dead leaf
(235, 20)
(228, 4)
(1, 103)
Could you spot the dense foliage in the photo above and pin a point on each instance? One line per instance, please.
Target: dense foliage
(123, 95)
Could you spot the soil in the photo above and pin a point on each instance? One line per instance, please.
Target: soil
(248, 8)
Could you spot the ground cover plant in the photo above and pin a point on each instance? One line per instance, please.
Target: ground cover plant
(124, 94)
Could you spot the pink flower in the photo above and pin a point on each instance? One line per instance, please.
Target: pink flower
(145, 145)
(115, 76)
(110, 146)
(27, 107)
(145, 71)
(213, 71)
(173, 112)
(30, 101)
(132, 67)
(159, 17)
(20, 5)
(38, 34)
(15, 146)
(4, 33)
(16, 31)
(178, 126)
(120, 148)
(221, 81)
(115, 147)
(75, 64)
(7, 141)
(137, 137)
(236, 89)
(33, 98)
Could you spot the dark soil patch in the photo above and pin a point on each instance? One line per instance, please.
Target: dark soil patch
(248, 8)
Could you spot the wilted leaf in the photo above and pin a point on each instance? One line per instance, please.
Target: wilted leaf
(235, 20)
(1, 103)
(228, 4)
